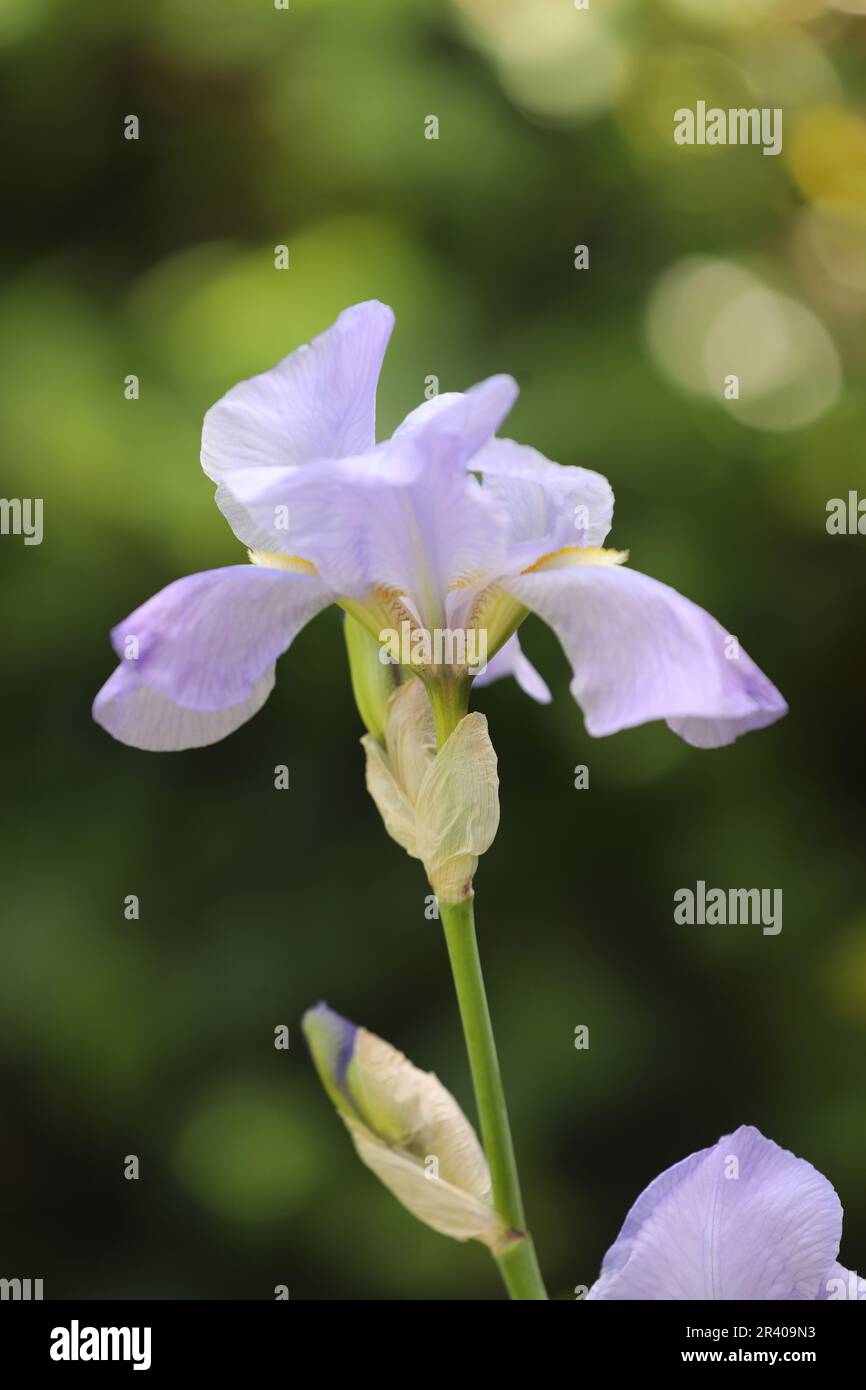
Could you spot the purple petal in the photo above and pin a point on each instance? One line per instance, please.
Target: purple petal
(197, 659)
(549, 505)
(395, 519)
(142, 718)
(454, 426)
(318, 403)
(640, 651)
(406, 516)
(511, 661)
(842, 1285)
(744, 1219)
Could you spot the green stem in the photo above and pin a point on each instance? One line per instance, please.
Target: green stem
(517, 1262)
(449, 700)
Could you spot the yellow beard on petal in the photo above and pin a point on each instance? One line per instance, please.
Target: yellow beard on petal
(570, 555)
(272, 560)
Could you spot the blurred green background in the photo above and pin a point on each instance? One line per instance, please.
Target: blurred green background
(306, 127)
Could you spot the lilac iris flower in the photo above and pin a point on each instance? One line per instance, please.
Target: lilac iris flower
(744, 1219)
(443, 527)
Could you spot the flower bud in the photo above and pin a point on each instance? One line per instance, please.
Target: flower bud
(407, 1129)
(442, 808)
(372, 679)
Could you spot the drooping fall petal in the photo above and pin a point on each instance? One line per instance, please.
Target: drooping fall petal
(197, 660)
(744, 1219)
(640, 651)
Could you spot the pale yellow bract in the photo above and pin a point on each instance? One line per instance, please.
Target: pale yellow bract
(442, 808)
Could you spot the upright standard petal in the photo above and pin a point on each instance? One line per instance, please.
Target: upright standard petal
(549, 505)
(453, 427)
(197, 660)
(640, 651)
(397, 522)
(744, 1219)
(318, 403)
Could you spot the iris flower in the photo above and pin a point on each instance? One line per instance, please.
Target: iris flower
(444, 527)
(744, 1219)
